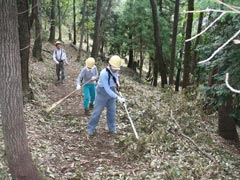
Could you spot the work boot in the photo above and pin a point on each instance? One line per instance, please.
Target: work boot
(91, 106)
(86, 112)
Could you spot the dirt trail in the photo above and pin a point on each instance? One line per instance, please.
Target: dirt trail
(84, 157)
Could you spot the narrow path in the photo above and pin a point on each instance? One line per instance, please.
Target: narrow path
(75, 154)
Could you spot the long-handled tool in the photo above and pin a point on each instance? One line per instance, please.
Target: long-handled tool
(49, 109)
(130, 119)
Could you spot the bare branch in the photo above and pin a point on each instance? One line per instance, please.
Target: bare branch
(228, 85)
(210, 10)
(220, 48)
(199, 34)
(228, 6)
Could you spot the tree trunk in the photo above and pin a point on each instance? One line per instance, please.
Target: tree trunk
(187, 55)
(174, 39)
(158, 52)
(37, 47)
(130, 62)
(53, 20)
(195, 53)
(18, 155)
(59, 22)
(82, 29)
(95, 48)
(24, 39)
(141, 57)
(227, 124)
(74, 23)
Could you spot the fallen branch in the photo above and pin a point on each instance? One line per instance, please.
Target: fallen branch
(228, 85)
(179, 132)
(220, 48)
(199, 34)
(47, 51)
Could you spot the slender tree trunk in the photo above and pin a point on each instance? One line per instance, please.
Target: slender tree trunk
(59, 22)
(158, 52)
(174, 39)
(187, 55)
(37, 47)
(82, 28)
(95, 48)
(74, 23)
(53, 20)
(130, 62)
(227, 124)
(195, 54)
(24, 39)
(141, 57)
(18, 155)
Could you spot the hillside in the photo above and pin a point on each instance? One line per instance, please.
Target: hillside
(177, 140)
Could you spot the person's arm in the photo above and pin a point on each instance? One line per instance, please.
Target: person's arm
(106, 86)
(54, 57)
(64, 56)
(80, 77)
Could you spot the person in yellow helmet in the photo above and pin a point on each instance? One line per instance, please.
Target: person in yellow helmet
(88, 74)
(106, 96)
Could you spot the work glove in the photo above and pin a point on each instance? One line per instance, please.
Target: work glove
(56, 62)
(121, 99)
(78, 87)
(93, 78)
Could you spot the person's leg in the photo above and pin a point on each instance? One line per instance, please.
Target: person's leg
(63, 73)
(111, 115)
(100, 103)
(86, 92)
(92, 93)
(58, 71)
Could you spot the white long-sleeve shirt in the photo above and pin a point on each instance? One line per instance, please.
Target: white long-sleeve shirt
(59, 55)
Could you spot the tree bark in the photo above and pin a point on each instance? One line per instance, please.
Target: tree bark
(227, 124)
(18, 156)
(82, 28)
(141, 57)
(158, 52)
(59, 22)
(37, 47)
(174, 40)
(53, 20)
(195, 53)
(95, 48)
(130, 61)
(187, 55)
(74, 23)
(24, 39)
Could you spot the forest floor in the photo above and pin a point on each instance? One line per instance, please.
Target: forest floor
(177, 140)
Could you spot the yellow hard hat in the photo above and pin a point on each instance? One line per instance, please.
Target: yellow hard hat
(58, 42)
(90, 62)
(115, 62)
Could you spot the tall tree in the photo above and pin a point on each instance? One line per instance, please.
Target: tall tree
(187, 55)
(59, 21)
(24, 39)
(158, 50)
(82, 28)
(37, 47)
(226, 123)
(174, 39)
(53, 21)
(95, 48)
(74, 23)
(17, 152)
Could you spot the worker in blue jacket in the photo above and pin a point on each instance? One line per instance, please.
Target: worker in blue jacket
(106, 96)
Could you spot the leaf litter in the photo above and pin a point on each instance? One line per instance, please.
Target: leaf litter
(177, 140)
